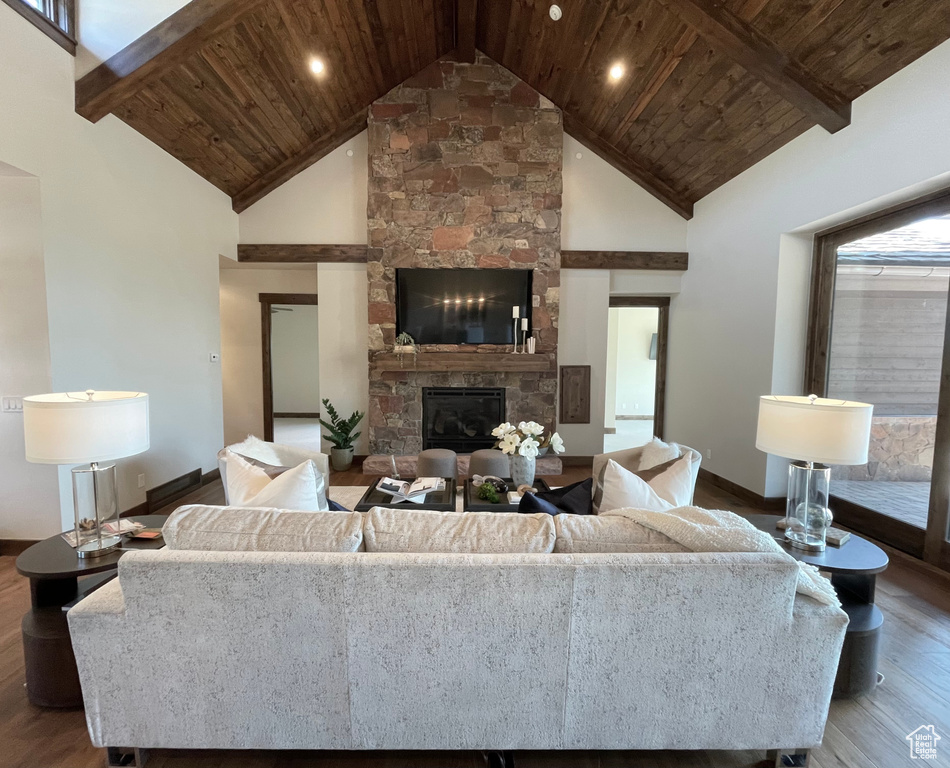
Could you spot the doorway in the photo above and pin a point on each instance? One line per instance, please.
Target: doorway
(636, 370)
(291, 369)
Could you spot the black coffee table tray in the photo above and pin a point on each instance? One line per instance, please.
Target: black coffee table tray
(471, 502)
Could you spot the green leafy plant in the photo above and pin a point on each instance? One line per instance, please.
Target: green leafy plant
(341, 430)
(405, 340)
(487, 492)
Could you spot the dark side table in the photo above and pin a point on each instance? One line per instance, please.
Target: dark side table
(58, 580)
(853, 567)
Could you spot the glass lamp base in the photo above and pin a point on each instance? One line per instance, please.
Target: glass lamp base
(98, 547)
(801, 540)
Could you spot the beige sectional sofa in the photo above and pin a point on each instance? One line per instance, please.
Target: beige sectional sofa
(396, 630)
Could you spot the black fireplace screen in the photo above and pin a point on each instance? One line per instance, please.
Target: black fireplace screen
(461, 418)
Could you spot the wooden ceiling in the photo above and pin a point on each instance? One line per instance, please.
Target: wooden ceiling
(710, 87)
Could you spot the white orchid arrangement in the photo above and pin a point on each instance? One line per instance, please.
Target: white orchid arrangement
(525, 439)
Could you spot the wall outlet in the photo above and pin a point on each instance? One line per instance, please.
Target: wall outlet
(535, 301)
(214, 357)
(141, 481)
(11, 404)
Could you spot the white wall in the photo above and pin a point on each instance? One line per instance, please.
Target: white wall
(582, 340)
(241, 355)
(604, 210)
(635, 388)
(610, 387)
(326, 203)
(737, 325)
(344, 325)
(295, 360)
(131, 239)
(29, 504)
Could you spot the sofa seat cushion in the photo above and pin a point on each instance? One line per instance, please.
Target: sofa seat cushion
(421, 531)
(609, 533)
(237, 529)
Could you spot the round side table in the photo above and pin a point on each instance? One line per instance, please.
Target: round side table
(853, 567)
(58, 580)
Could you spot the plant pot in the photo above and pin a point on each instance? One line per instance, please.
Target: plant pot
(404, 349)
(522, 470)
(341, 458)
(543, 451)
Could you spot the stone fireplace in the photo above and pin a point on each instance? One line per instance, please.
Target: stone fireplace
(464, 171)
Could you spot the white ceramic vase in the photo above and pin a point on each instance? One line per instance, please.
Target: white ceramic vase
(522, 470)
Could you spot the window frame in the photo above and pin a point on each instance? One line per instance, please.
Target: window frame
(933, 543)
(57, 21)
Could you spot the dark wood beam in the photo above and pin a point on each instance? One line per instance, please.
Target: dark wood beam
(302, 254)
(628, 166)
(666, 260)
(738, 40)
(164, 46)
(466, 12)
(310, 154)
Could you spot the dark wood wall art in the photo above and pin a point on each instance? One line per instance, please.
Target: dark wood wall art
(707, 90)
(574, 394)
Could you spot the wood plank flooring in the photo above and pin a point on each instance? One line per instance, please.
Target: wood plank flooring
(867, 732)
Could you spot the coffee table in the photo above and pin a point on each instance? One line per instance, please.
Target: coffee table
(436, 501)
(471, 502)
(853, 567)
(58, 580)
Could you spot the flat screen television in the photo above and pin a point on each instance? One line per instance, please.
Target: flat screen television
(461, 306)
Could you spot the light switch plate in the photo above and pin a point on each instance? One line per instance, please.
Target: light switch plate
(11, 404)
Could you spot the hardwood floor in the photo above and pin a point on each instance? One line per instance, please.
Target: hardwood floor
(867, 732)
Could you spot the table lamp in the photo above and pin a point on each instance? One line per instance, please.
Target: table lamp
(814, 432)
(88, 427)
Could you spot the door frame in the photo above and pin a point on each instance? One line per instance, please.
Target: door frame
(662, 303)
(930, 544)
(267, 301)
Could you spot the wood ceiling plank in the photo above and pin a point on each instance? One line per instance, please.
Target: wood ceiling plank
(156, 52)
(659, 77)
(465, 21)
(413, 30)
(294, 165)
(327, 19)
(600, 58)
(638, 54)
(656, 186)
(745, 45)
(213, 104)
(290, 57)
(377, 37)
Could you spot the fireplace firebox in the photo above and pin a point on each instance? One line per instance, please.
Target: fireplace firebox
(461, 418)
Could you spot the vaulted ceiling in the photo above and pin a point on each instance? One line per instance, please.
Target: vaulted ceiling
(707, 89)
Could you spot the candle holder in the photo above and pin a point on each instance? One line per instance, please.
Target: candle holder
(515, 335)
(524, 342)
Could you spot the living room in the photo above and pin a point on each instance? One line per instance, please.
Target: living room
(179, 179)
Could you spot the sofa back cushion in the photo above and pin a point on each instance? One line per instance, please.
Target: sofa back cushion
(398, 530)
(237, 529)
(610, 533)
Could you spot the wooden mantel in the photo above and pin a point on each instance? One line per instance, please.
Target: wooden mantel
(450, 362)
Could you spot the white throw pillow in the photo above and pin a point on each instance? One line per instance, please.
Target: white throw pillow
(300, 488)
(657, 452)
(254, 448)
(660, 488)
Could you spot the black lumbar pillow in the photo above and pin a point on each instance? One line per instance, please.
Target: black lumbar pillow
(337, 507)
(574, 499)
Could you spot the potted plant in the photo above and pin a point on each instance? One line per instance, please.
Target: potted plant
(341, 435)
(523, 444)
(405, 344)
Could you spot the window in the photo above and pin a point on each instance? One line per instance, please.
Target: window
(877, 335)
(56, 18)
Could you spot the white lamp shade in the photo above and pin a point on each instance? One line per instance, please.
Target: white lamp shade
(814, 429)
(80, 427)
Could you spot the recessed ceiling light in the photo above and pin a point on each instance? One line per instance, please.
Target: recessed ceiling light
(555, 12)
(349, 153)
(616, 72)
(316, 66)
(578, 155)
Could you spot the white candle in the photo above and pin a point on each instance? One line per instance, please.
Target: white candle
(524, 323)
(515, 313)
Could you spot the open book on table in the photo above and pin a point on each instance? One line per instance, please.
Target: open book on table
(403, 490)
